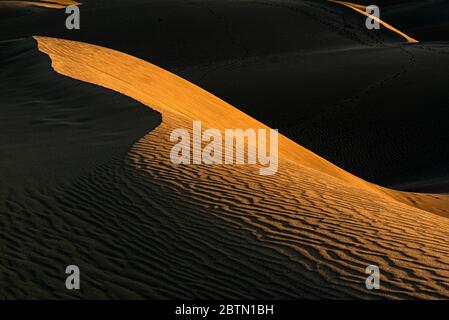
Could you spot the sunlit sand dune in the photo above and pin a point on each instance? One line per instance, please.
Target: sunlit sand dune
(425, 20)
(144, 227)
(166, 92)
(334, 83)
(87, 179)
(45, 4)
(362, 10)
(23, 4)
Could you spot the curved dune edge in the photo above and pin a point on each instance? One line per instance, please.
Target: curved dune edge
(44, 4)
(300, 233)
(64, 2)
(25, 4)
(166, 92)
(56, 128)
(361, 9)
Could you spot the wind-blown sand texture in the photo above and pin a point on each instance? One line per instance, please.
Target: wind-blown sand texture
(140, 227)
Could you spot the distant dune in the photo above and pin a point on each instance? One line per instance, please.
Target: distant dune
(21, 5)
(172, 231)
(425, 19)
(139, 226)
(339, 89)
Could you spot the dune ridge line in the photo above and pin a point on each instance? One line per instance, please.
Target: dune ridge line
(166, 92)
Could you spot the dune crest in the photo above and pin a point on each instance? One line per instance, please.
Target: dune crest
(61, 4)
(166, 92)
(361, 9)
(149, 228)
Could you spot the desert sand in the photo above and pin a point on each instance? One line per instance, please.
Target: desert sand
(422, 19)
(98, 188)
(10, 4)
(380, 94)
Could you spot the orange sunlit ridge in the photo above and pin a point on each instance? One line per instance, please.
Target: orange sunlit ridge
(51, 4)
(361, 9)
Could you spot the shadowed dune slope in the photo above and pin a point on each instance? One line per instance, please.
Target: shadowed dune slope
(54, 127)
(143, 227)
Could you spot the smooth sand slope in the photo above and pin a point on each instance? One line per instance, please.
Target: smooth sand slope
(365, 100)
(53, 127)
(143, 227)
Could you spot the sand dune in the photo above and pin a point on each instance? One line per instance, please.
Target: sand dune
(141, 227)
(24, 4)
(362, 10)
(426, 19)
(54, 128)
(339, 90)
(173, 95)
(44, 4)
